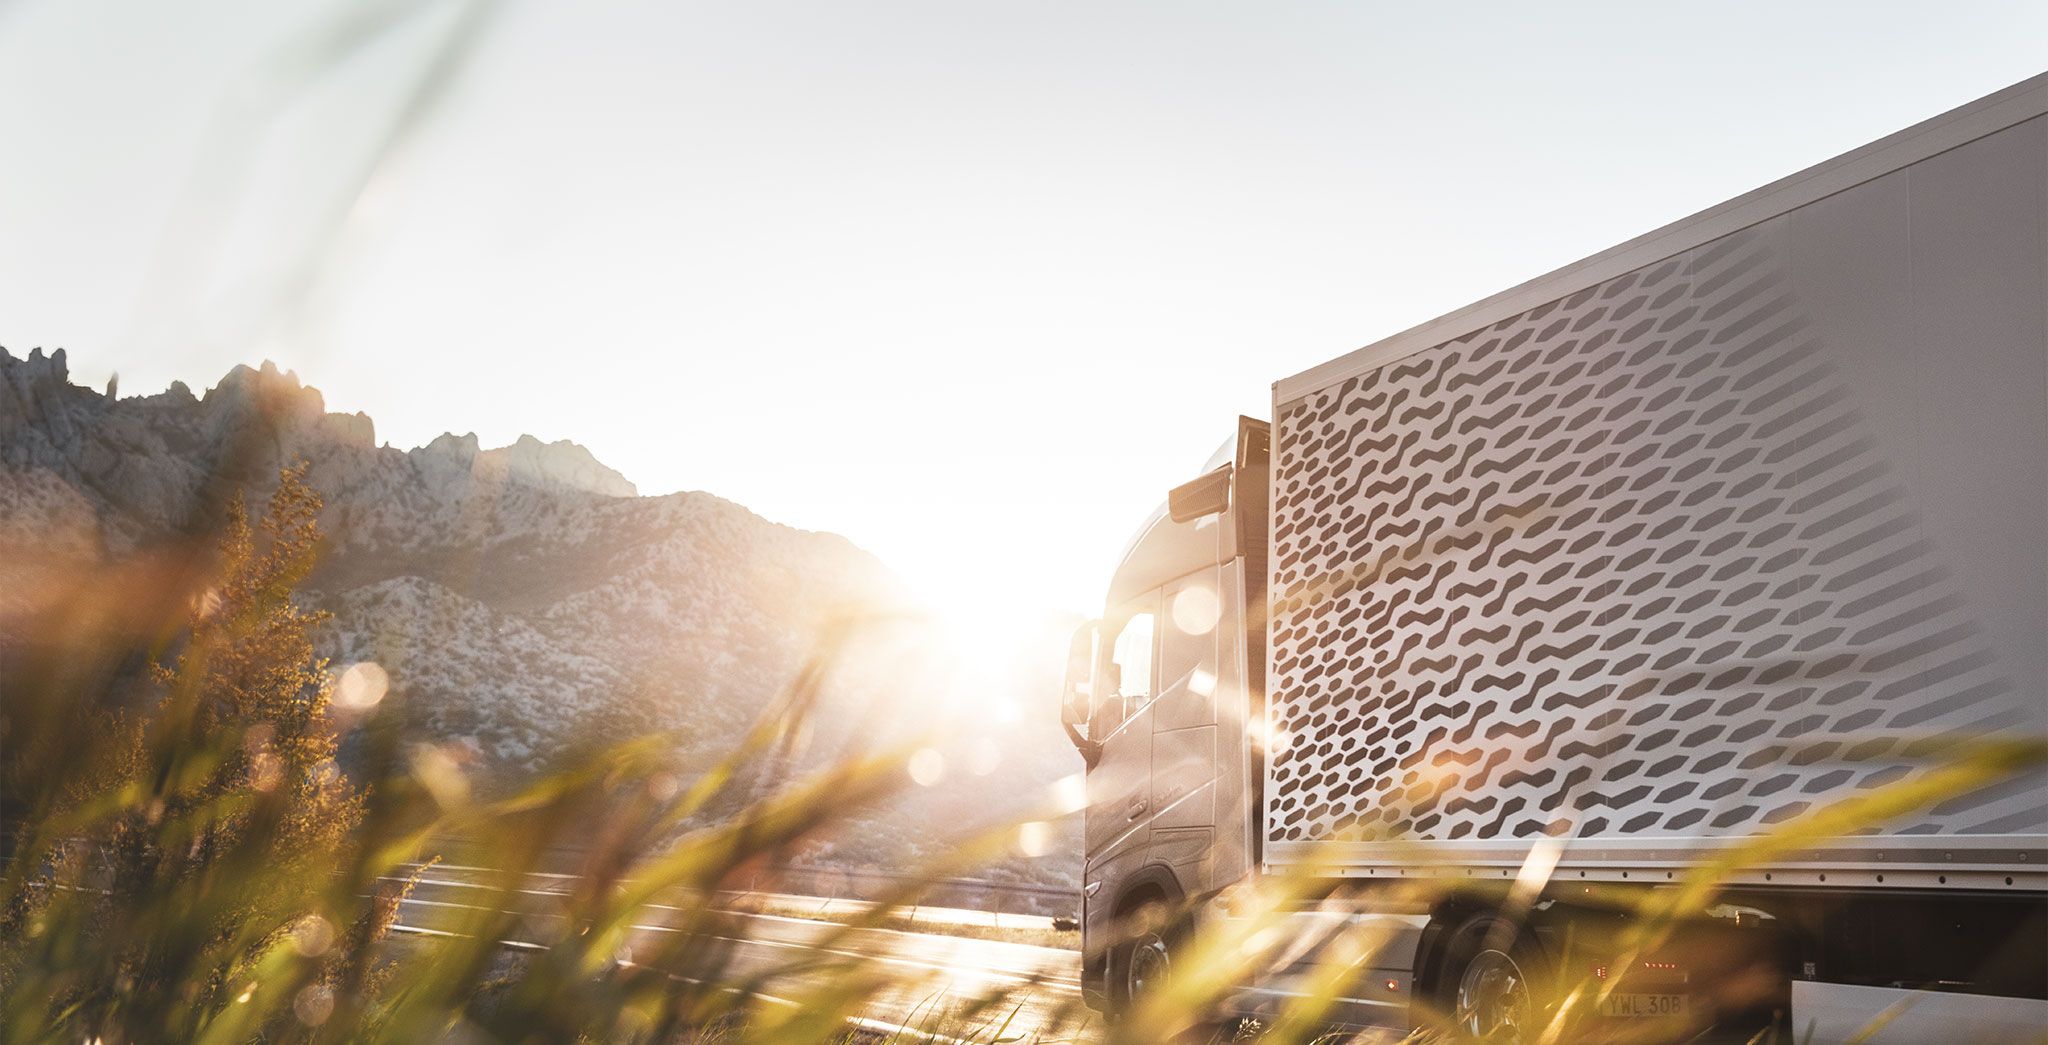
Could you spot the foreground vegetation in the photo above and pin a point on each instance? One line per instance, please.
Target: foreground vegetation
(187, 860)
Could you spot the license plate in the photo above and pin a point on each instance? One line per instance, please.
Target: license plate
(1642, 1005)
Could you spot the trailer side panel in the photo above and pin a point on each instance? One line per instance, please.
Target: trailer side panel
(1689, 552)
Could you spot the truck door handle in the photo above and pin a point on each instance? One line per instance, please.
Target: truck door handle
(1137, 809)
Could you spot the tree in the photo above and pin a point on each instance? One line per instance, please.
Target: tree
(249, 672)
(232, 816)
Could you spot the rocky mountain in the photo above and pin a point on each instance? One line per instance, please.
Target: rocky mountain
(524, 600)
(560, 463)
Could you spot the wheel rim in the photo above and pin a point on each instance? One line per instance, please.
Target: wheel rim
(1493, 997)
(1149, 965)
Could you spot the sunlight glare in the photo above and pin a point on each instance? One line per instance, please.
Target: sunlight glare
(1070, 794)
(1536, 869)
(1270, 739)
(974, 654)
(986, 756)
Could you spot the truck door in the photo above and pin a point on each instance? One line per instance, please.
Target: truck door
(1184, 767)
(1119, 785)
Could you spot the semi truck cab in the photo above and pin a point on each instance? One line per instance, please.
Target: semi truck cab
(1163, 696)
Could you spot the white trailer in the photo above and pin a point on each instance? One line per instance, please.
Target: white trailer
(1622, 568)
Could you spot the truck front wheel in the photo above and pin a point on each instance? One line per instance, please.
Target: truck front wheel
(1489, 986)
(1147, 965)
(1143, 963)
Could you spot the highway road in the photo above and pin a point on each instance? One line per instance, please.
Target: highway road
(937, 973)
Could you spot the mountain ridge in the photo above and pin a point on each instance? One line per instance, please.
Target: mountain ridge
(541, 533)
(527, 602)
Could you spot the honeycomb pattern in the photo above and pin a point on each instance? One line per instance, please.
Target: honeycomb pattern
(1628, 563)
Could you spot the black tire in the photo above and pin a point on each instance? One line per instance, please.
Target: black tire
(1144, 961)
(1492, 984)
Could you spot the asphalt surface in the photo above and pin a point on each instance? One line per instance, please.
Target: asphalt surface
(937, 975)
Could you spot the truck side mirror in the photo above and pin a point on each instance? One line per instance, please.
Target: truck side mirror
(1075, 703)
(1195, 498)
(1075, 692)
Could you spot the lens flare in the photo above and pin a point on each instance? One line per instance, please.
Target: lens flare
(1034, 838)
(312, 936)
(1196, 609)
(313, 1005)
(361, 686)
(927, 767)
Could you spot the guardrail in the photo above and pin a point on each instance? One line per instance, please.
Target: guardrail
(845, 883)
(978, 894)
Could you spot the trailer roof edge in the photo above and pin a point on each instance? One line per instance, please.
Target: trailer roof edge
(1959, 126)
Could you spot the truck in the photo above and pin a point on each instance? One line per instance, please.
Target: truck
(1659, 571)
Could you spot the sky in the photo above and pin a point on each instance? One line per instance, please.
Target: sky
(971, 283)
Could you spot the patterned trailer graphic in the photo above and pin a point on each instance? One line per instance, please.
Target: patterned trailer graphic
(1686, 552)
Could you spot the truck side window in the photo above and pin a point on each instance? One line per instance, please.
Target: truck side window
(1133, 657)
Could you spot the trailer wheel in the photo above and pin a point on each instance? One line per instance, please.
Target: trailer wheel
(1491, 983)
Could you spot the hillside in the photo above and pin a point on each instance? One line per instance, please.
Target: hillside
(525, 600)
